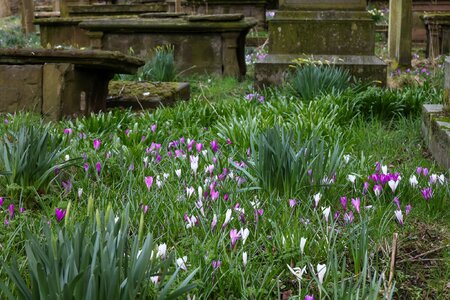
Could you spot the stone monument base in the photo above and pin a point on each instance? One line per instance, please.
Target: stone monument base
(436, 132)
(276, 67)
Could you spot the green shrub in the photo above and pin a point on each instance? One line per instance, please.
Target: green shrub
(309, 81)
(30, 157)
(95, 260)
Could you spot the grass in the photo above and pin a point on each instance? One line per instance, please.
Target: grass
(178, 214)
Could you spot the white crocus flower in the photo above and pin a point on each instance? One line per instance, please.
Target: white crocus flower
(347, 158)
(317, 198)
(413, 181)
(178, 173)
(244, 258)
(326, 212)
(162, 249)
(351, 178)
(227, 217)
(181, 263)
(393, 184)
(190, 191)
(244, 234)
(194, 163)
(297, 272)
(321, 270)
(302, 244)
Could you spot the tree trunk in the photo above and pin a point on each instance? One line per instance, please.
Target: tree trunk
(27, 14)
(5, 9)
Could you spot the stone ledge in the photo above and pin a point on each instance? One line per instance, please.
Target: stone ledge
(107, 60)
(436, 132)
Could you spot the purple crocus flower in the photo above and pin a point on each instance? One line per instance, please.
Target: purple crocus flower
(377, 190)
(397, 202)
(427, 193)
(356, 204)
(67, 185)
(309, 297)
(214, 146)
(11, 211)
(68, 131)
(97, 144)
(292, 202)
(60, 214)
(86, 166)
(226, 197)
(214, 222)
(216, 264)
(425, 172)
(153, 127)
(419, 170)
(98, 167)
(344, 202)
(148, 182)
(337, 214)
(408, 209)
(1, 201)
(22, 210)
(366, 187)
(234, 235)
(199, 147)
(348, 217)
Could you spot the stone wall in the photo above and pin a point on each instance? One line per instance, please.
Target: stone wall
(21, 88)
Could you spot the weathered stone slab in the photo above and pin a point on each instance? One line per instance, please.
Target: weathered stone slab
(115, 62)
(436, 132)
(146, 95)
(275, 68)
(323, 4)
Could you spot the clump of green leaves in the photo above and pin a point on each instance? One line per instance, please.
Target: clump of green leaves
(97, 259)
(30, 157)
(287, 164)
(310, 80)
(160, 68)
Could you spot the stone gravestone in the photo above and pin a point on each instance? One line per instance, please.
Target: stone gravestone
(400, 31)
(338, 31)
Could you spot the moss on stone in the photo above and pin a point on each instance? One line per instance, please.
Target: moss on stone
(151, 91)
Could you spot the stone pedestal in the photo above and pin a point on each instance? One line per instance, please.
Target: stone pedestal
(438, 34)
(436, 124)
(249, 8)
(338, 31)
(400, 31)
